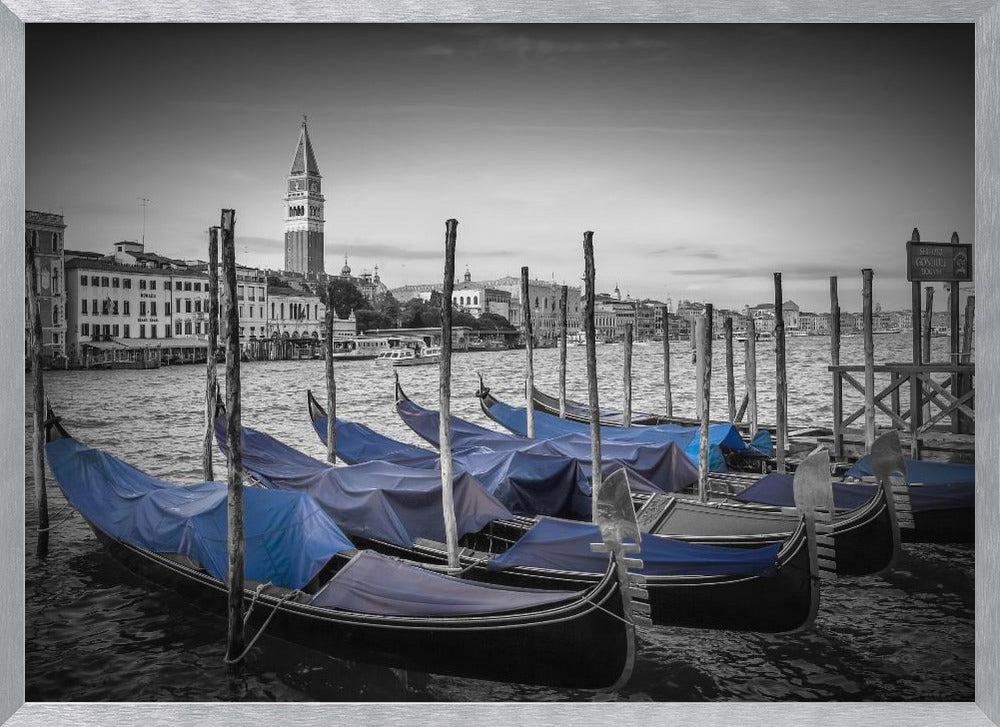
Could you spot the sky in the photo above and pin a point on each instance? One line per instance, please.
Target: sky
(703, 157)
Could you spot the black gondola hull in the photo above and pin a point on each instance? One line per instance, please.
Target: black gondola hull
(584, 647)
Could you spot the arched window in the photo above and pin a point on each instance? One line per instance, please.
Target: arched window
(475, 300)
(187, 326)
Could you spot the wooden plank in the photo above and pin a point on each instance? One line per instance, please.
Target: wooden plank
(444, 384)
(590, 334)
(529, 349)
(234, 443)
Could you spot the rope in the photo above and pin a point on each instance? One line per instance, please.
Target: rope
(260, 632)
(61, 521)
(613, 615)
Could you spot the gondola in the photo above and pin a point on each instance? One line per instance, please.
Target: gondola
(753, 585)
(308, 584)
(728, 450)
(867, 536)
(580, 412)
(940, 496)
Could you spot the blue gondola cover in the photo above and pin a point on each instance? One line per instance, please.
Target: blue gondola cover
(565, 545)
(379, 500)
(375, 584)
(288, 536)
(776, 489)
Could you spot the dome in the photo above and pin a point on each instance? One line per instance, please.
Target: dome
(346, 270)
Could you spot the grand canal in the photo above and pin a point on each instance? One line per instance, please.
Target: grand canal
(96, 633)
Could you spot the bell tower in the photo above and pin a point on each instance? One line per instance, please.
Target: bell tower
(304, 200)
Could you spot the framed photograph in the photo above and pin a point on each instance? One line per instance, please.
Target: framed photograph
(743, 244)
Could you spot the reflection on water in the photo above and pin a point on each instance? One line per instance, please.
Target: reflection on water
(95, 632)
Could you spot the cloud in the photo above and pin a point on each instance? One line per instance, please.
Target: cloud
(438, 49)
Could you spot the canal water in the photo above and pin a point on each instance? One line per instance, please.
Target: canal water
(96, 633)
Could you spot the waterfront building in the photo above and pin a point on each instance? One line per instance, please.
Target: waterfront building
(543, 297)
(300, 314)
(304, 222)
(45, 231)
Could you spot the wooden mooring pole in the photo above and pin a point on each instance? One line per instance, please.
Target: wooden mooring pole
(563, 294)
(954, 302)
(331, 381)
(38, 407)
(869, 339)
(627, 376)
(234, 443)
(838, 381)
(781, 377)
(666, 363)
(927, 322)
(444, 425)
(727, 325)
(750, 367)
(529, 348)
(211, 375)
(967, 333)
(590, 334)
(916, 388)
(705, 364)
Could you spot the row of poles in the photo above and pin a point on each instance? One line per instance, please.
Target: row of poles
(223, 236)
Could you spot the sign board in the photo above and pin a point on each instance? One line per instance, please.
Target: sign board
(938, 262)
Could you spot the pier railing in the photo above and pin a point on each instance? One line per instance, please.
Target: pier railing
(941, 416)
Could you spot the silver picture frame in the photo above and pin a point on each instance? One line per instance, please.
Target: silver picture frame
(985, 14)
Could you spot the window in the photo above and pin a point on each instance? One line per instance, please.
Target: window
(83, 306)
(197, 305)
(115, 330)
(114, 307)
(282, 310)
(239, 292)
(142, 286)
(177, 328)
(152, 286)
(152, 331)
(55, 315)
(115, 282)
(93, 307)
(107, 330)
(187, 327)
(187, 305)
(241, 311)
(142, 312)
(262, 311)
(127, 283)
(166, 308)
(152, 308)
(105, 282)
(272, 309)
(55, 338)
(166, 331)
(125, 331)
(475, 300)
(166, 285)
(84, 329)
(95, 281)
(83, 280)
(125, 307)
(106, 307)
(197, 327)
(142, 330)
(187, 285)
(197, 286)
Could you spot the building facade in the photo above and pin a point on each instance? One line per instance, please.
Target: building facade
(45, 232)
(304, 222)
